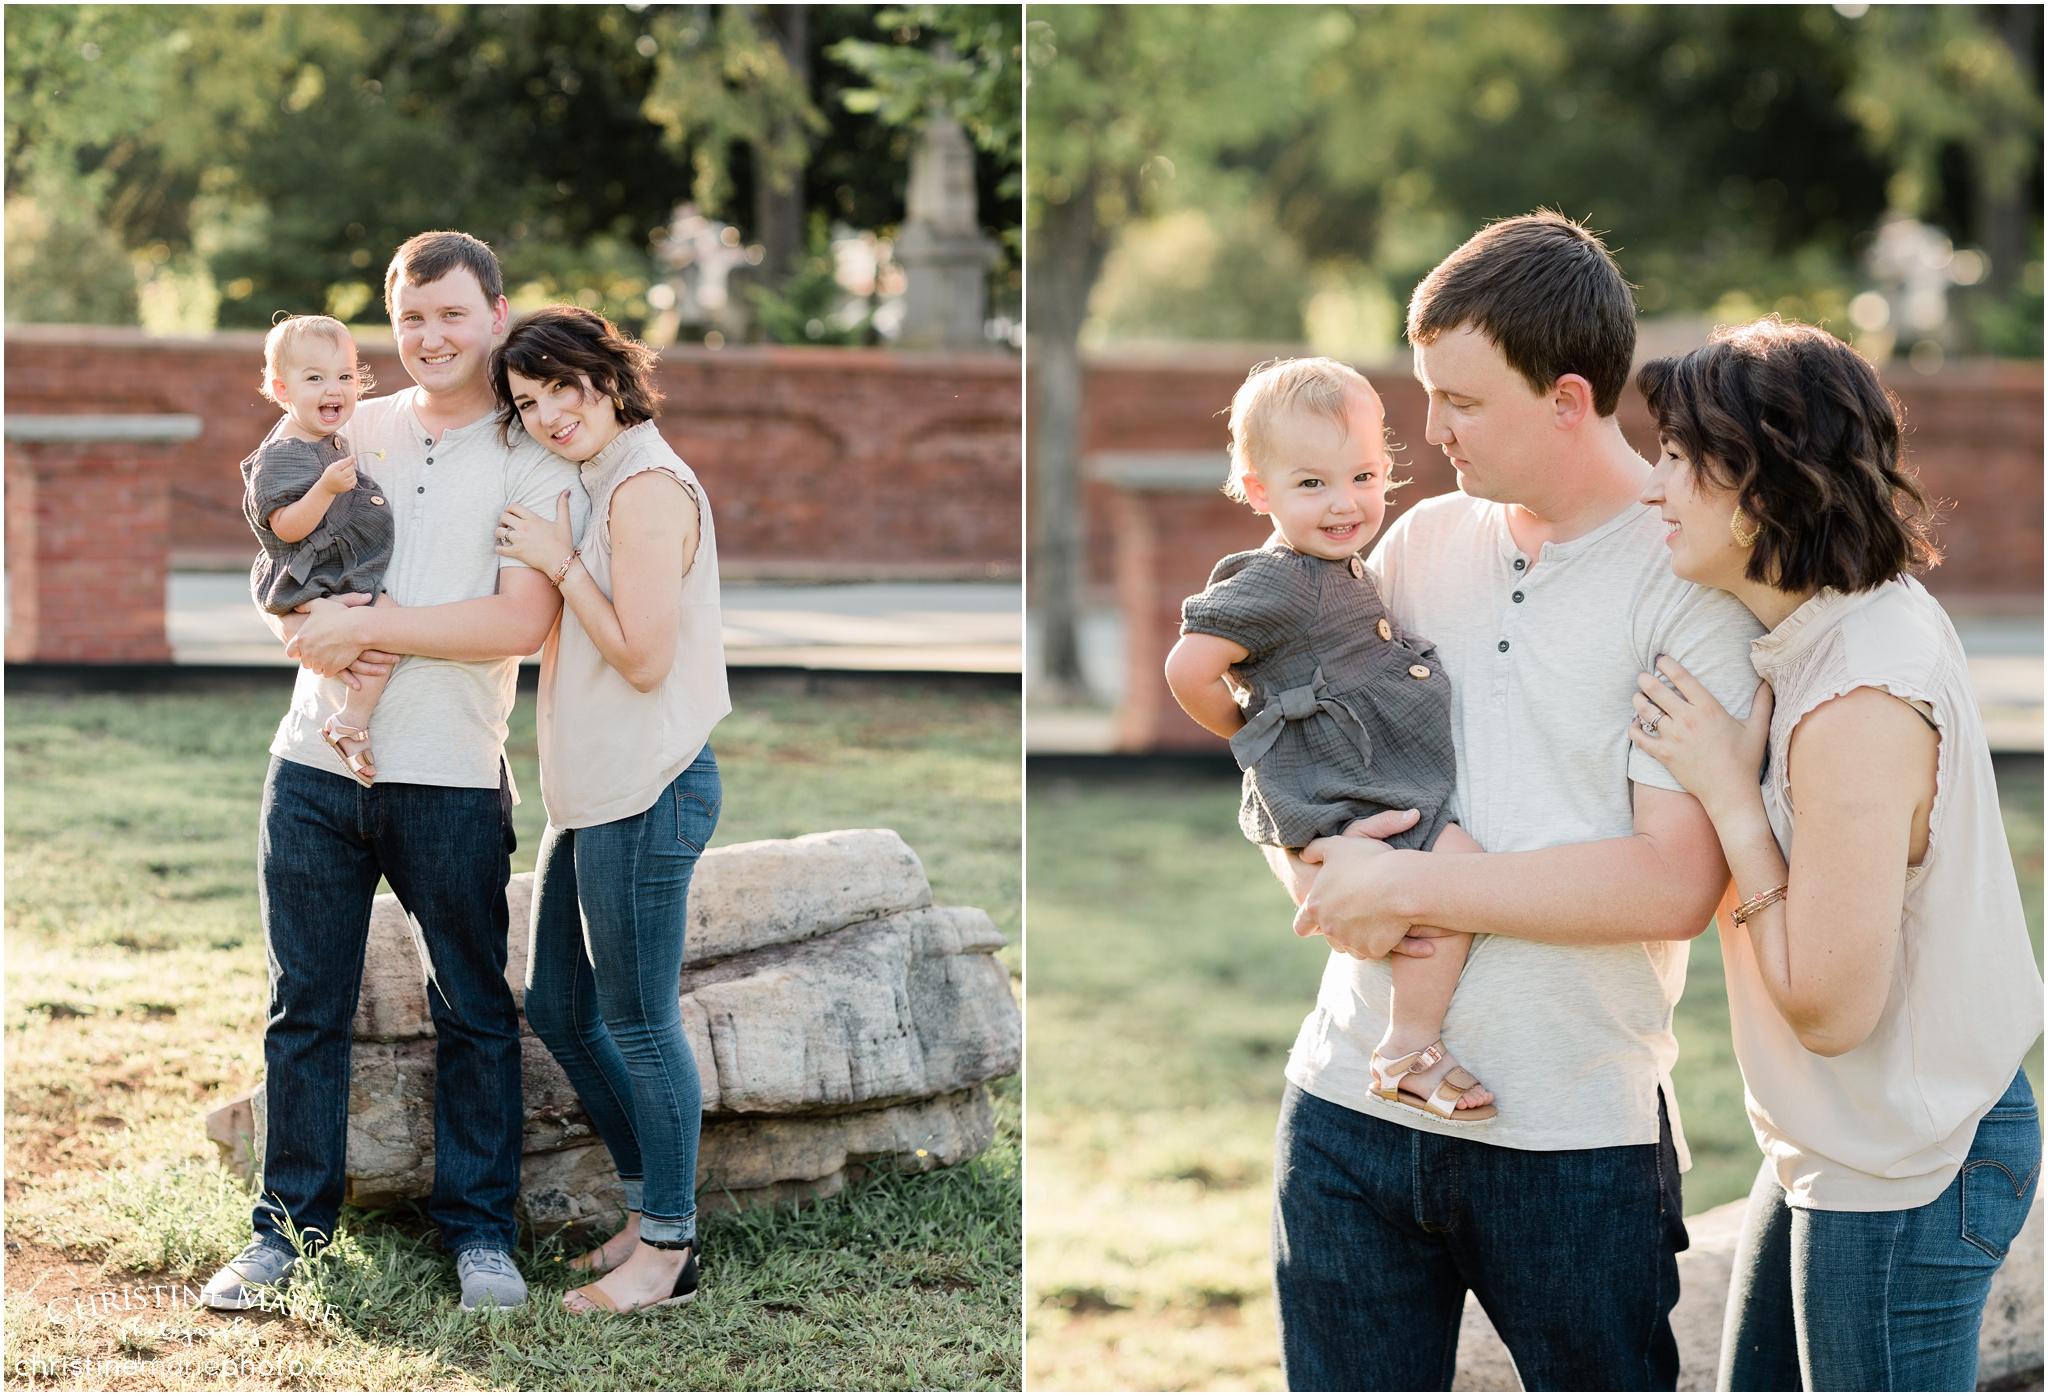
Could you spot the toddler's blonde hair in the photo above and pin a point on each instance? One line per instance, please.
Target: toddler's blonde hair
(285, 335)
(1320, 387)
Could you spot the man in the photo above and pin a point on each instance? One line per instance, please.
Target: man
(437, 821)
(1546, 588)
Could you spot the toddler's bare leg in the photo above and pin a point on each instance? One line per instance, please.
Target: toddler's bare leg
(1422, 994)
(358, 703)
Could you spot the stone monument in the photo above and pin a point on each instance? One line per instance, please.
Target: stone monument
(943, 251)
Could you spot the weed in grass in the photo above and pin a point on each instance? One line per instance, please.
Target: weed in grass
(135, 992)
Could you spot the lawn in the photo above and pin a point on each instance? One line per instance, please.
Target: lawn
(135, 999)
(1166, 990)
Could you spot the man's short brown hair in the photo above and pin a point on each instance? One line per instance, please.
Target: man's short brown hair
(425, 258)
(1546, 293)
(1797, 425)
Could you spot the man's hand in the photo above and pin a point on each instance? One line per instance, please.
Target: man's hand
(327, 642)
(1326, 879)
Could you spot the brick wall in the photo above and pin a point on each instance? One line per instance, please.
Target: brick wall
(88, 525)
(819, 462)
(1974, 435)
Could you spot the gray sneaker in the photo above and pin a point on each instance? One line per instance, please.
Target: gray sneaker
(489, 1280)
(262, 1264)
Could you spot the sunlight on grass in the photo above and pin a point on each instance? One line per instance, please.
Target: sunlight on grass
(135, 995)
(1166, 989)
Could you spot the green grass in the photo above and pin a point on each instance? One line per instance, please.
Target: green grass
(135, 990)
(1166, 988)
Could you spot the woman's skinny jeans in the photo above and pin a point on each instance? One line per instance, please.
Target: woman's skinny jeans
(1880, 1301)
(601, 988)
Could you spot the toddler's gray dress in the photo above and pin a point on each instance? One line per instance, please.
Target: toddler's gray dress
(1348, 716)
(348, 551)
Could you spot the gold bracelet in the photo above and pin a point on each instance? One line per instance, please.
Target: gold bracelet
(563, 570)
(1740, 916)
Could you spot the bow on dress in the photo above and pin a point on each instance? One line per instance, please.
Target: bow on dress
(1256, 737)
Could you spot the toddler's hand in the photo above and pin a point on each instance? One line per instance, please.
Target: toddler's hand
(340, 477)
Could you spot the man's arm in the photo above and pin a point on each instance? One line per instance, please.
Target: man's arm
(1659, 883)
(514, 622)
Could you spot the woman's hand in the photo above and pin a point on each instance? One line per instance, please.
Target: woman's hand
(1713, 756)
(540, 543)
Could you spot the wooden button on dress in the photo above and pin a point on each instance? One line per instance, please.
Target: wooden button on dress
(1418, 671)
(1357, 565)
(1386, 631)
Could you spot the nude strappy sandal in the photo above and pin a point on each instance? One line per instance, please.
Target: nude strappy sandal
(359, 765)
(1388, 1073)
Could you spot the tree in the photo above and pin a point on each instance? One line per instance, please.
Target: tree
(1120, 97)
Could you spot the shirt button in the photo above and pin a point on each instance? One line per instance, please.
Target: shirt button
(1418, 671)
(1520, 563)
(1357, 566)
(423, 489)
(1386, 631)
(430, 460)
(1518, 598)
(1503, 646)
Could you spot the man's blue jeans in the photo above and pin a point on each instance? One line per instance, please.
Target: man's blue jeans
(325, 841)
(1378, 1231)
(602, 988)
(1880, 1301)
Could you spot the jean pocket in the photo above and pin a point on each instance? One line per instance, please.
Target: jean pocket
(696, 819)
(1995, 1203)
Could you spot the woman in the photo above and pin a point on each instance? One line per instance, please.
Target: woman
(1880, 983)
(631, 684)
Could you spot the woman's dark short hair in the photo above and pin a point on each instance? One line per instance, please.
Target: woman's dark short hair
(1796, 423)
(1546, 293)
(563, 341)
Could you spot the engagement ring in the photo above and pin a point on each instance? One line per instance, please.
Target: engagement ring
(1650, 727)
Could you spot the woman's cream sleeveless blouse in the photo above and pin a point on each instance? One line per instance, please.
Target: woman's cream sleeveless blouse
(606, 749)
(1888, 1124)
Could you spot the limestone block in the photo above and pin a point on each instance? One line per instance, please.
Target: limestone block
(744, 1163)
(2009, 1347)
(906, 1007)
(775, 891)
(742, 897)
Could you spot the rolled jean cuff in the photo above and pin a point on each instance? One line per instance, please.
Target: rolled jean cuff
(634, 1188)
(668, 1228)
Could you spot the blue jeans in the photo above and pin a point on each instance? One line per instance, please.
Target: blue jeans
(1378, 1231)
(602, 988)
(1879, 1301)
(325, 841)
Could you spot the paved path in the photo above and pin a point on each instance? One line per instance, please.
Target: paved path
(960, 626)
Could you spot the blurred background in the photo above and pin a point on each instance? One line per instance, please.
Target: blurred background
(813, 211)
(1208, 187)
(729, 171)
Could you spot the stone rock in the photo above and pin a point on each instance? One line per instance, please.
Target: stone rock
(231, 1126)
(750, 1162)
(742, 897)
(2009, 1348)
(903, 1009)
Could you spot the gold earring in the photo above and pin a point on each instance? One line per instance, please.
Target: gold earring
(1742, 539)
(617, 405)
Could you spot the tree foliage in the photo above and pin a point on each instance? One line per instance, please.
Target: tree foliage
(267, 157)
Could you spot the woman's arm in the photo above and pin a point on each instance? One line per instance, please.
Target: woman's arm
(1861, 771)
(1194, 671)
(654, 535)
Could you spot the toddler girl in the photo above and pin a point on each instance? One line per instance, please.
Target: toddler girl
(325, 526)
(1344, 715)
